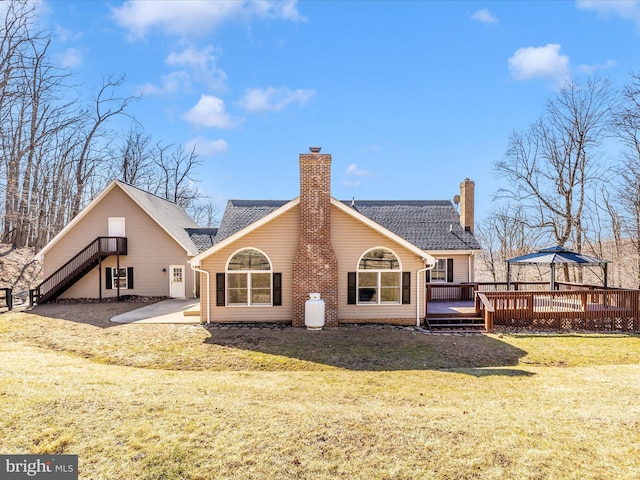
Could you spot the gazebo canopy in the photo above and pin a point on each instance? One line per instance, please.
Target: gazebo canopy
(553, 256)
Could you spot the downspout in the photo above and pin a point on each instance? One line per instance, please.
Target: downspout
(429, 267)
(195, 269)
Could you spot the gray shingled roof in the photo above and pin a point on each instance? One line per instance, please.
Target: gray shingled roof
(239, 214)
(169, 215)
(427, 224)
(203, 238)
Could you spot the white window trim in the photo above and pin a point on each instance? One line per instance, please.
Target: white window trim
(444, 280)
(115, 277)
(398, 271)
(248, 272)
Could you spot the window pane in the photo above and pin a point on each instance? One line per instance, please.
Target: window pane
(438, 273)
(390, 295)
(260, 296)
(389, 279)
(367, 295)
(379, 259)
(260, 288)
(260, 280)
(249, 259)
(237, 280)
(238, 296)
(367, 279)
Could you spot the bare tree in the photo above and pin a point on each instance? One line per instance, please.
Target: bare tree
(627, 123)
(503, 235)
(176, 179)
(106, 105)
(551, 166)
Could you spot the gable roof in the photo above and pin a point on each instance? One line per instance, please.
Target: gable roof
(431, 225)
(168, 215)
(417, 225)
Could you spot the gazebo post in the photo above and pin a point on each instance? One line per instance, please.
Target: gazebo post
(605, 268)
(508, 276)
(552, 283)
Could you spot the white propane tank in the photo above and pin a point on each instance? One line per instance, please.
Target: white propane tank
(314, 312)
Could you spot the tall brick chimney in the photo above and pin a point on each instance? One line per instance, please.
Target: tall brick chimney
(467, 204)
(315, 267)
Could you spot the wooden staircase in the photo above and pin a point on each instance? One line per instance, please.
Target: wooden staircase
(77, 267)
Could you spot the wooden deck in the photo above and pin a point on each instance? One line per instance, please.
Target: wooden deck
(573, 307)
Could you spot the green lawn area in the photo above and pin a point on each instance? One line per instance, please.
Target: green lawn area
(184, 402)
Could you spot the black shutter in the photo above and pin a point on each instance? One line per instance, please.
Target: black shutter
(129, 277)
(428, 276)
(108, 283)
(219, 289)
(449, 270)
(277, 289)
(351, 288)
(406, 288)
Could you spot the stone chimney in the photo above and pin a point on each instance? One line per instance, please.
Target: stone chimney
(467, 204)
(315, 267)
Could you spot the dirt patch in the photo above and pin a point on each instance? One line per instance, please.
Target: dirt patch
(18, 269)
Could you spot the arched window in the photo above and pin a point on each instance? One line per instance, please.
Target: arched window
(249, 278)
(379, 277)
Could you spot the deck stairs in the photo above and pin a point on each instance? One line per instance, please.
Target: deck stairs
(77, 267)
(453, 317)
(455, 324)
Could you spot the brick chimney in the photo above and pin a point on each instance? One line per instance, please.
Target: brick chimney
(315, 267)
(467, 204)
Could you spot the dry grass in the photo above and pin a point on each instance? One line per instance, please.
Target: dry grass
(292, 404)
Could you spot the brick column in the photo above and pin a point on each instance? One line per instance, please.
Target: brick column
(315, 268)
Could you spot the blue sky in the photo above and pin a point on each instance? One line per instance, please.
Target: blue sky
(409, 97)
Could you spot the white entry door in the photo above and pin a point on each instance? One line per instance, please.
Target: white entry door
(176, 281)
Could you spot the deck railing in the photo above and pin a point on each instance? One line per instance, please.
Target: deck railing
(586, 309)
(531, 305)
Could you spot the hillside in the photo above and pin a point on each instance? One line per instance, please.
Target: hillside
(18, 269)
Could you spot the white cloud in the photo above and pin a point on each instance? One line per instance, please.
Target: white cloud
(590, 69)
(354, 170)
(207, 148)
(209, 112)
(196, 17)
(484, 16)
(65, 35)
(627, 9)
(201, 64)
(70, 58)
(273, 99)
(355, 184)
(170, 83)
(539, 62)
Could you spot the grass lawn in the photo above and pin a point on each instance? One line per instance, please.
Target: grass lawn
(184, 402)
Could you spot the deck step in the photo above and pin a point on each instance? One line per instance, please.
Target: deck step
(456, 323)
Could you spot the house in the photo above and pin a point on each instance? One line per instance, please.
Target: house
(125, 242)
(368, 260)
